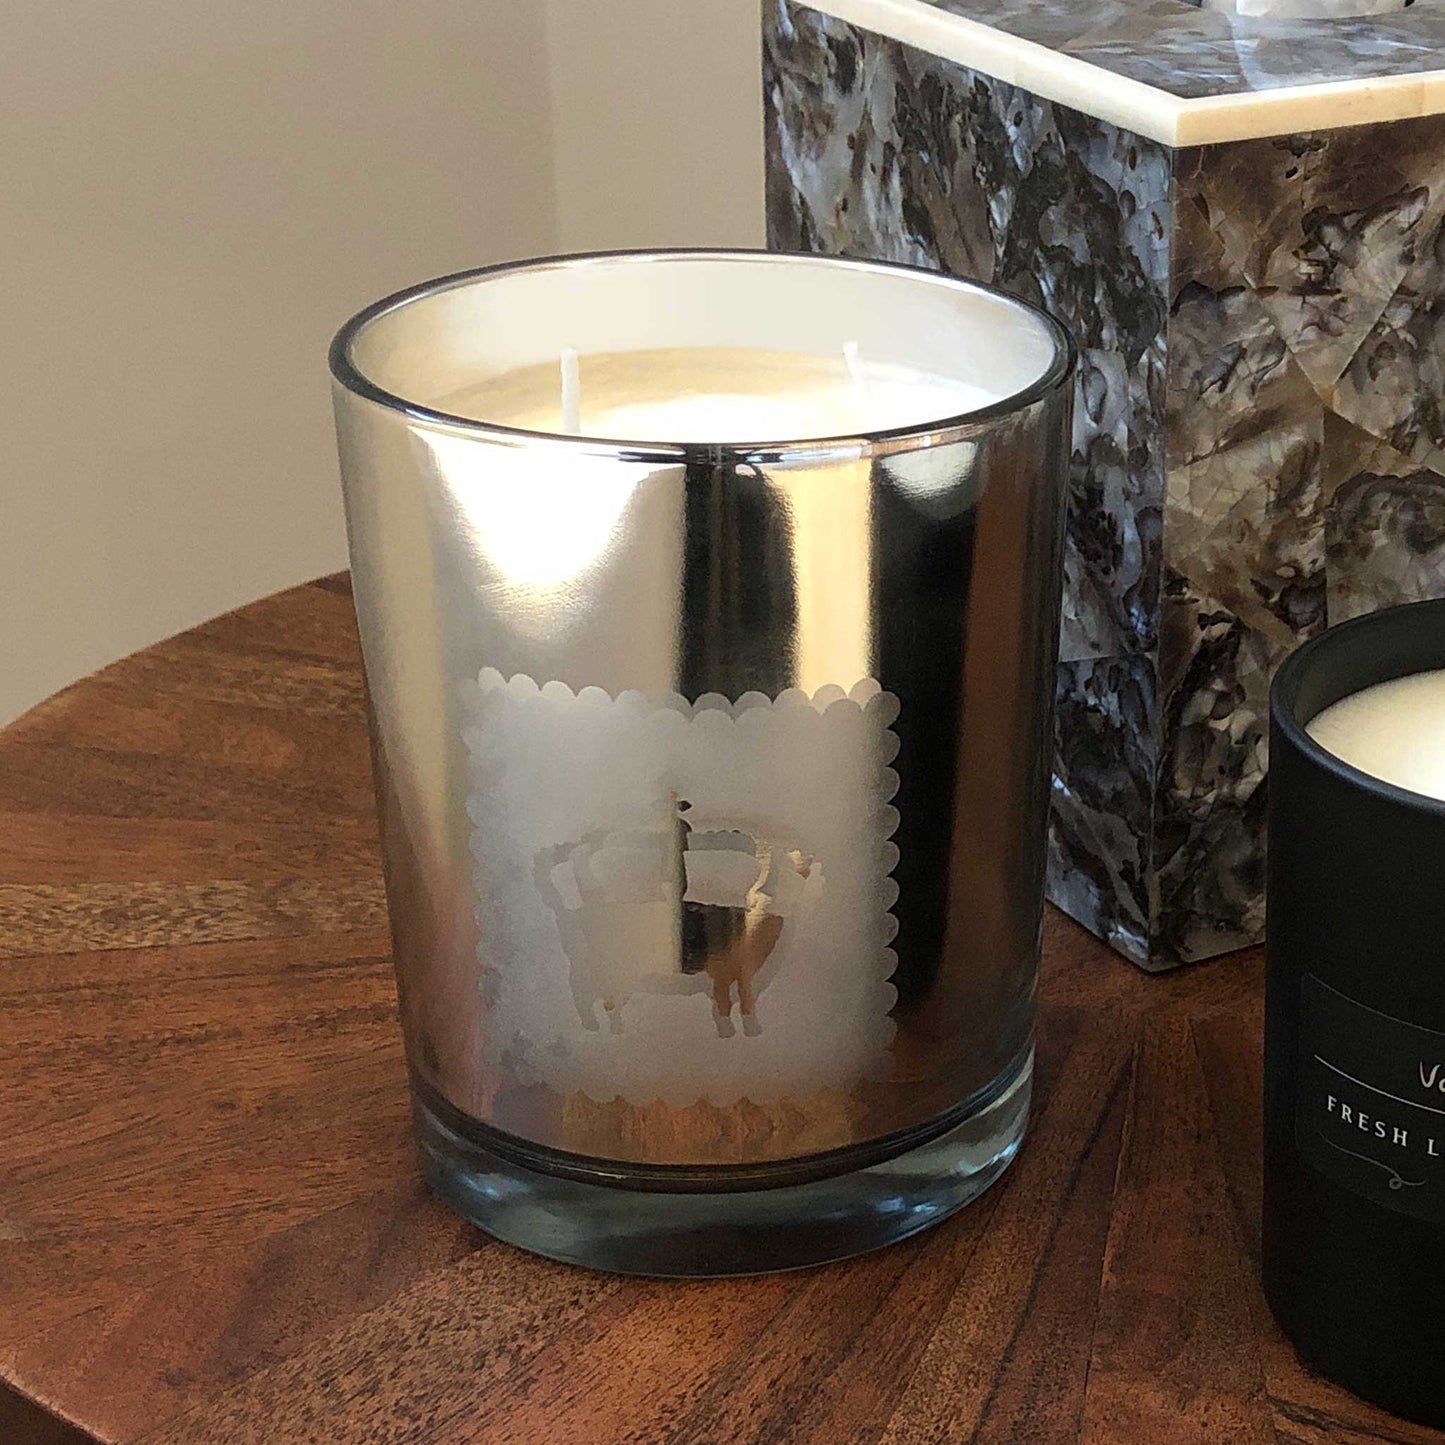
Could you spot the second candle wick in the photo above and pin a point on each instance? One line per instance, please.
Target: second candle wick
(571, 391)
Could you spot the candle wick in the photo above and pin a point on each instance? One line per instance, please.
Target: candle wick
(854, 362)
(571, 391)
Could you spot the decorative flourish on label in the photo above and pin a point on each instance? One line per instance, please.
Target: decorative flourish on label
(1396, 1180)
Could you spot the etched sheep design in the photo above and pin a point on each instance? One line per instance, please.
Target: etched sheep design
(672, 909)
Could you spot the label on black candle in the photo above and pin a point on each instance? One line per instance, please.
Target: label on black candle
(1371, 1110)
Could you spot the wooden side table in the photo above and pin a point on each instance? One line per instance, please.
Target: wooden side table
(211, 1223)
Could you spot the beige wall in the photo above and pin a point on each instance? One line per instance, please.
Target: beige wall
(194, 195)
(657, 114)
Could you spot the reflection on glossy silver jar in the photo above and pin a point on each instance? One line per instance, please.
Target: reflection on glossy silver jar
(712, 770)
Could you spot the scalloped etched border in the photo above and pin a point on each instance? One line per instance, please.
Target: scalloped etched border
(868, 694)
(508, 1046)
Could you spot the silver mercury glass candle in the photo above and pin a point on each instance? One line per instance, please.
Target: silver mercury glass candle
(709, 604)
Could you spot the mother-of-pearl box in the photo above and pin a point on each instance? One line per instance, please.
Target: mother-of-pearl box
(1243, 222)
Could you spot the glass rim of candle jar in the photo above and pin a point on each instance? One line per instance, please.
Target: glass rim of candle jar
(1361, 648)
(350, 373)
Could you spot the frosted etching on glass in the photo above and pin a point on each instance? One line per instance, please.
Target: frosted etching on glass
(684, 901)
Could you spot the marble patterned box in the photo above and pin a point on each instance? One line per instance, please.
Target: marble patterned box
(1244, 225)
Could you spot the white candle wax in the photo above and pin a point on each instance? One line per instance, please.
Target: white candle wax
(1394, 731)
(716, 394)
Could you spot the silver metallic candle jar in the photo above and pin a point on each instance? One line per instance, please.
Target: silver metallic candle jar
(712, 761)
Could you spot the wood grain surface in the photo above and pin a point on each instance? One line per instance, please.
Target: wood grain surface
(211, 1224)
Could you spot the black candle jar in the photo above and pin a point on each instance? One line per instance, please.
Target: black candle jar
(1354, 1161)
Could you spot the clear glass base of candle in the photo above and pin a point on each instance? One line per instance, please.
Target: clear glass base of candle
(782, 1216)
